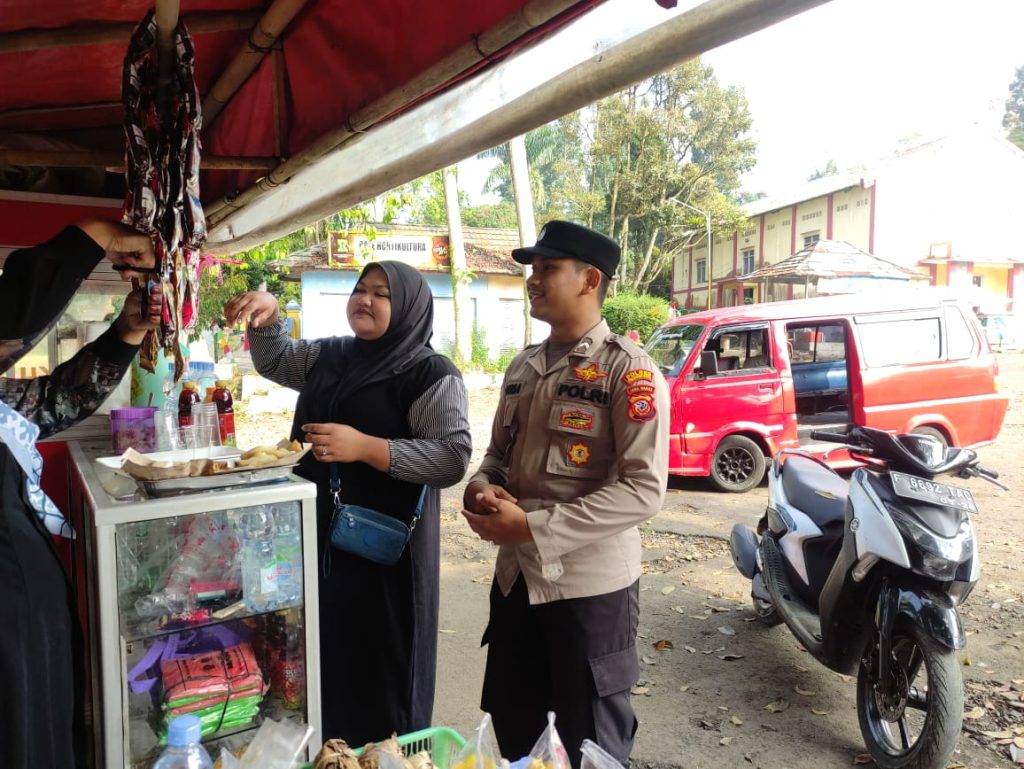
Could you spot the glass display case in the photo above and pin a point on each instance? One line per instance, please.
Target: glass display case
(203, 603)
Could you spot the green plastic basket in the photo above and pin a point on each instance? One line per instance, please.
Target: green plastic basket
(442, 743)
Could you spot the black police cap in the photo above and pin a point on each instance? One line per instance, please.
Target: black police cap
(568, 240)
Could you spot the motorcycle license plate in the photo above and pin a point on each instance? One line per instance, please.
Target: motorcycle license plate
(912, 487)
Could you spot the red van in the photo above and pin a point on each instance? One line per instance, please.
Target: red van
(748, 381)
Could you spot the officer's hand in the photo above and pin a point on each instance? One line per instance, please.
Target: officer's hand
(506, 525)
(481, 498)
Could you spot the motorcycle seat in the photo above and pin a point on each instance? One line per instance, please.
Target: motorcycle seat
(814, 489)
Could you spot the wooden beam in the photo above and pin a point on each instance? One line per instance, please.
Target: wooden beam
(262, 39)
(53, 109)
(108, 159)
(118, 32)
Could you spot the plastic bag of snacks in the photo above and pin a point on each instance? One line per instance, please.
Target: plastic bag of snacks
(549, 752)
(596, 757)
(480, 750)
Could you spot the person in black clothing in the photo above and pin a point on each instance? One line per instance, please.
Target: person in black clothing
(391, 414)
(40, 641)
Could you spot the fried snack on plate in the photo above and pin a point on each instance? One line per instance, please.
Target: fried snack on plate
(258, 450)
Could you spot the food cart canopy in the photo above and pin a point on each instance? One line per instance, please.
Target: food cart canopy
(321, 78)
(830, 259)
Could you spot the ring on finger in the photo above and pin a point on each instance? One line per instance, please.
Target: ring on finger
(323, 451)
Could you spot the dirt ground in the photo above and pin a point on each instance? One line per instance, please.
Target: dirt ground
(727, 691)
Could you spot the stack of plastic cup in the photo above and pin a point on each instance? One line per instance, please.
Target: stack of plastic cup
(133, 428)
(207, 424)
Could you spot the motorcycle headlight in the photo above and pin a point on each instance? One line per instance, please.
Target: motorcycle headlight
(935, 557)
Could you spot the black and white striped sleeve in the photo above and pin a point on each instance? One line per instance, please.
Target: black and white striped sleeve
(439, 454)
(280, 358)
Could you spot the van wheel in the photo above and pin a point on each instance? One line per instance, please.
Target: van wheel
(738, 464)
(932, 432)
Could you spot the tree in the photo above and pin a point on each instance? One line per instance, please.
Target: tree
(679, 137)
(830, 169)
(1013, 119)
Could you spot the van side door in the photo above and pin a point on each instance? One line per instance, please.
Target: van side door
(744, 395)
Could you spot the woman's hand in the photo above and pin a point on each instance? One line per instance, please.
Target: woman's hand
(482, 498)
(342, 443)
(258, 308)
(130, 251)
(131, 325)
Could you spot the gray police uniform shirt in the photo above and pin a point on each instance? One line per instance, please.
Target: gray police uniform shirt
(583, 446)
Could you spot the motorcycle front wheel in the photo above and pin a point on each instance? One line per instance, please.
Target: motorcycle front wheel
(914, 721)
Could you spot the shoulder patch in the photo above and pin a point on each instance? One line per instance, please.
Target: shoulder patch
(640, 394)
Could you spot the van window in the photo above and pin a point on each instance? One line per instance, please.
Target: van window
(743, 349)
(670, 346)
(959, 339)
(896, 342)
(816, 343)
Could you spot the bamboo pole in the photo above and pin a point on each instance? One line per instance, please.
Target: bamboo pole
(280, 109)
(58, 108)
(24, 40)
(108, 159)
(261, 39)
(514, 26)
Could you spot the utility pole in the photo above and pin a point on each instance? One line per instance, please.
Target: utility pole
(524, 214)
(457, 261)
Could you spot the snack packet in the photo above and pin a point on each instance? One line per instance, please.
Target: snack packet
(480, 750)
(548, 752)
(596, 757)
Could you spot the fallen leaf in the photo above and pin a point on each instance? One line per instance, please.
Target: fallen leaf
(819, 712)
(730, 656)
(640, 690)
(974, 713)
(725, 741)
(714, 651)
(804, 692)
(863, 758)
(484, 579)
(1016, 754)
(776, 706)
(679, 609)
(667, 589)
(690, 649)
(684, 687)
(800, 669)
(663, 645)
(447, 632)
(737, 721)
(647, 660)
(726, 630)
(1019, 742)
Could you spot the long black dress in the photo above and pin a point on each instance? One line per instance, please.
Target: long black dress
(378, 624)
(40, 642)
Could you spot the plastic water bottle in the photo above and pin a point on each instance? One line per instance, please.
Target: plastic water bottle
(184, 750)
(259, 561)
(288, 547)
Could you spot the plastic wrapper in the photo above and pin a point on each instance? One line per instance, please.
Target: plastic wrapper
(277, 745)
(217, 674)
(549, 752)
(596, 757)
(481, 749)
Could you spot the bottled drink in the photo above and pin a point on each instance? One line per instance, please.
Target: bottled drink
(225, 413)
(259, 561)
(184, 749)
(288, 547)
(186, 400)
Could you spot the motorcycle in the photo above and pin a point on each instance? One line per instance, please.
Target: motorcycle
(868, 575)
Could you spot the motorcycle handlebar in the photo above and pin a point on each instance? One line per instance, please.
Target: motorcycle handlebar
(825, 435)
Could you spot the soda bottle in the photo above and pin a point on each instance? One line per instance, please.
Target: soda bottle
(186, 400)
(184, 749)
(225, 413)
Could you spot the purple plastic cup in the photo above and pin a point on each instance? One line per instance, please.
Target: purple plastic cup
(133, 428)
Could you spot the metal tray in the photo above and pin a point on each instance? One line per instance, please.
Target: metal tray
(174, 486)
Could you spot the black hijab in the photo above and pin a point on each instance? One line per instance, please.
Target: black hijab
(349, 363)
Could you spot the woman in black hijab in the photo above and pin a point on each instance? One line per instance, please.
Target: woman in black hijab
(392, 414)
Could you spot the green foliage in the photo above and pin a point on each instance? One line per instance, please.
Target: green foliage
(501, 214)
(639, 312)
(1013, 119)
(830, 169)
(479, 352)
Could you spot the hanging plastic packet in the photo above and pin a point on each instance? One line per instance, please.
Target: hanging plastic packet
(548, 752)
(596, 757)
(480, 750)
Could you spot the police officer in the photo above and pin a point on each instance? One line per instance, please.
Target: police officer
(578, 457)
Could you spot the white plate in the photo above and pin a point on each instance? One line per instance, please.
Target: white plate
(179, 455)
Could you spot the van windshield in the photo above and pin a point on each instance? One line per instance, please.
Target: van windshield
(670, 346)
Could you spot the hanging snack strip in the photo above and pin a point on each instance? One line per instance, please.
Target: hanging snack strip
(162, 175)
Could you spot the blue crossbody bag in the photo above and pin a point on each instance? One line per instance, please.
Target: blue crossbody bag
(366, 532)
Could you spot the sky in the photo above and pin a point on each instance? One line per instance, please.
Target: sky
(847, 81)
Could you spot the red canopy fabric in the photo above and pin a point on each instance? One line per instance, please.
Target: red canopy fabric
(339, 56)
